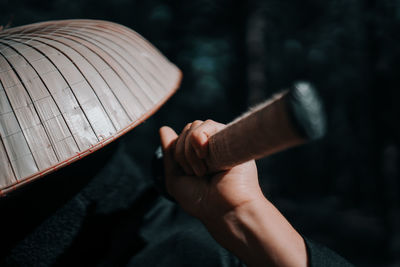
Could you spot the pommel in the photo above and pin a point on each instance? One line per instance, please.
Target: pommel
(307, 111)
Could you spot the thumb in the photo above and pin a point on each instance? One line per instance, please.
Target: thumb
(185, 189)
(168, 138)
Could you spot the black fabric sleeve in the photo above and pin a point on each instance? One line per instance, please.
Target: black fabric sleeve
(321, 256)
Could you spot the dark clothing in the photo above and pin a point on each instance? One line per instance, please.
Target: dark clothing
(119, 219)
(321, 256)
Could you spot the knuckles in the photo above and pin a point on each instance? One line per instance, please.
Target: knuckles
(195, 136)
(192, 137)
(187, 127)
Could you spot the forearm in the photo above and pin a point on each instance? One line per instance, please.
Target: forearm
(231, 205)
(259, 235)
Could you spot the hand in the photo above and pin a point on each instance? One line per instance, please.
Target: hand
(229, 203)
(210, 196)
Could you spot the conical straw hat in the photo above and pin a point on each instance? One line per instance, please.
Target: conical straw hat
(67, 88)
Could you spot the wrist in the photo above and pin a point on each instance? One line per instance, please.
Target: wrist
(259, 234)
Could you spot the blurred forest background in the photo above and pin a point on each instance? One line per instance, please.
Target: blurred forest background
(342, 191)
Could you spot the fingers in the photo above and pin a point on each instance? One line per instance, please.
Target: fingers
(179, 153)
(197, 164)
(191, 147)
(200, 135)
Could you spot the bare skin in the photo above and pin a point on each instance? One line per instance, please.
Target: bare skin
(230, 203)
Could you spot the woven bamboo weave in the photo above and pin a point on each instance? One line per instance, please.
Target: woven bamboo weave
(69, 87)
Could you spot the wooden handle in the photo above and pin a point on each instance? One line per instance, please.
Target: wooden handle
(288, 119)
